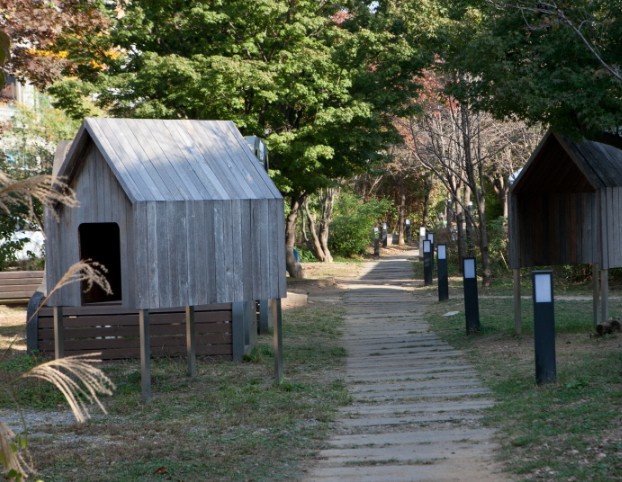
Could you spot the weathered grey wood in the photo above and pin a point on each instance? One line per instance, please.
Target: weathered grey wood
(277, 343)
(251, 172)
(191, 349)
(236, 242)
(267, 314)
(146, 153)
(518, 322)
(196, 160)
(595, 292)
(260, 263)
(145, 355)
(604, 295)
(199, 220)
(160, 255)
(210, 267)
(246, 248)
(256, 169)
(59, 333)
(238, 330)
(278, 243)
(206, 139)
(250, 321)
(181, 257)
(111, 144)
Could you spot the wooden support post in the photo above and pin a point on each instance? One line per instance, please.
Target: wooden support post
(237, 331)
(604, 294)
(595, 292)
(59, 333)
(266, 316)
(191, 350)
(145, 355)
(277, 342)
(251, 322)
(518, 322)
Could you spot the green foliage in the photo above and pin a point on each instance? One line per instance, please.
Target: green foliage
(535, 66)
(27, 148)
(351, 230)
(298, 73)
(306, 256)
(498, 244)
(30, 138)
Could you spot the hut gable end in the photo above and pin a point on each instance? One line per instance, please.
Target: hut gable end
(552, 169)
(566, 205)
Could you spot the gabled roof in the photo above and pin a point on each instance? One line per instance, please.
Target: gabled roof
(173, 160)
(561, 164)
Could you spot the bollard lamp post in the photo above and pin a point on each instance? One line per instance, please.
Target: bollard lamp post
(427, 263)
(443, 278)
(471, 301)
(544, 326)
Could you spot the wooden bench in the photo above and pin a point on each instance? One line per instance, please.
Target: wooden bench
(19, 285)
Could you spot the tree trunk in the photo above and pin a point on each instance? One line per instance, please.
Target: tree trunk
(483, 243)
(293, 267)
(328, 205)
(402, 216)
(462, 241)
(315, 244)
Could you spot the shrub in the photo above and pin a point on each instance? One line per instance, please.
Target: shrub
(351, 230)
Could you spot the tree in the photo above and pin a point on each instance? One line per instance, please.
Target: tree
(27, 147)
(467, 150)
(318, 82)
(34, 34)
(549, 62)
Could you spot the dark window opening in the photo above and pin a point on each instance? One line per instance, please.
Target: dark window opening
(101, 242)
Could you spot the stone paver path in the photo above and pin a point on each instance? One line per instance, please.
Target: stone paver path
(416, 403)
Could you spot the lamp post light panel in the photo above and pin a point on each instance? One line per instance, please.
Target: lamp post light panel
(442, 251)
(427, 246)
(469, 268)
(431, 237)
(543, 287)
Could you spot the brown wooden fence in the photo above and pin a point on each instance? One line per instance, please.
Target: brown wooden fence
(113, 331)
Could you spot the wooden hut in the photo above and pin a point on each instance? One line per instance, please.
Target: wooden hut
(179, 211)
(566, 208)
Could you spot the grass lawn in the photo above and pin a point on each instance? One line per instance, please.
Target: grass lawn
(570, 430)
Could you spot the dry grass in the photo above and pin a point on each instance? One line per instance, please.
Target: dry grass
(230, 423)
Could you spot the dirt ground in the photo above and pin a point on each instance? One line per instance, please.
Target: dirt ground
(12, 320)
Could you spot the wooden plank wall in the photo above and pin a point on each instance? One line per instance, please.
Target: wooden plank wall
(611, 226)
(202, 252)
(113, 331)
(102, 200)
(554, 228)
